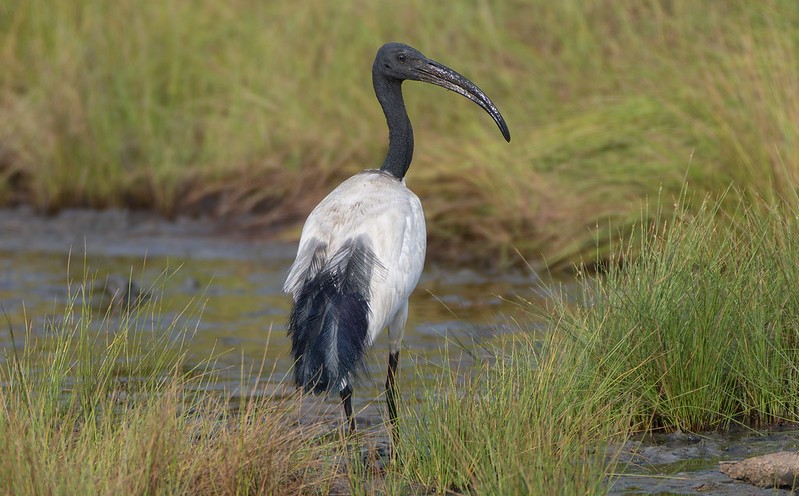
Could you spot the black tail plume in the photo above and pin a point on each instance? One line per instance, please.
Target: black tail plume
(329, 322)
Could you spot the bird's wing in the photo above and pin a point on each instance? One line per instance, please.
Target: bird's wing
(388, 218)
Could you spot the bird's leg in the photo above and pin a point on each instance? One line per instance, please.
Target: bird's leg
(396, 328)
(346, 400)
(391, 393)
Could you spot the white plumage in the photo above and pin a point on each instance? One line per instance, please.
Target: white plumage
(378, 208)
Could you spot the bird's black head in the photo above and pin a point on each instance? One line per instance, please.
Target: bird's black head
(398, 62)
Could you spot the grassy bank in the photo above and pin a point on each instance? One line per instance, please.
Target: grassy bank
(706, 317)
(257, 107)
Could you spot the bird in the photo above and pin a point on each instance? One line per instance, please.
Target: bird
(362, 248)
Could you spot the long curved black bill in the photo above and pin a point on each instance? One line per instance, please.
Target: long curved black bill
(441, 75)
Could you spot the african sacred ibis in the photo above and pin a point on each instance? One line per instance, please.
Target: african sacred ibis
(362, 248)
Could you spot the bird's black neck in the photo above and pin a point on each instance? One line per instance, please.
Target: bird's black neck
(400, 132)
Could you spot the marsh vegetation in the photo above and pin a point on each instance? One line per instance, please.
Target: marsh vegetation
(696, 333)
(655, 153)
(251, 107)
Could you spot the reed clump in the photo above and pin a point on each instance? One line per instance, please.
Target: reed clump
(706, 315)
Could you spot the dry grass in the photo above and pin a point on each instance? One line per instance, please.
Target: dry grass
(159, 448)
(247, 107)
(102, 405)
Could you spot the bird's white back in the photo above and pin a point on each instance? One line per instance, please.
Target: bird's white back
(387, 216)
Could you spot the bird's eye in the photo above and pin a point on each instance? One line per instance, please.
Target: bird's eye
(401, 57)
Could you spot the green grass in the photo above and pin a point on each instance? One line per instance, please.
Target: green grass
(532, 419)
(102, 405)
(253, 107)
(706, 316)
(695, 332)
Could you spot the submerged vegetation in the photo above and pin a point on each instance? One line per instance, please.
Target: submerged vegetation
(262, 107)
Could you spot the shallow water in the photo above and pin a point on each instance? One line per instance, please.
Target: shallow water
(237, 280)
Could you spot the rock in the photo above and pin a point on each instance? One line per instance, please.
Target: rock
(772, 470)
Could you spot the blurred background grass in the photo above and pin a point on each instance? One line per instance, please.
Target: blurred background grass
(248, 107)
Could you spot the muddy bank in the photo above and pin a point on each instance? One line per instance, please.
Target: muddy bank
(681, 463)
(129, 233)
